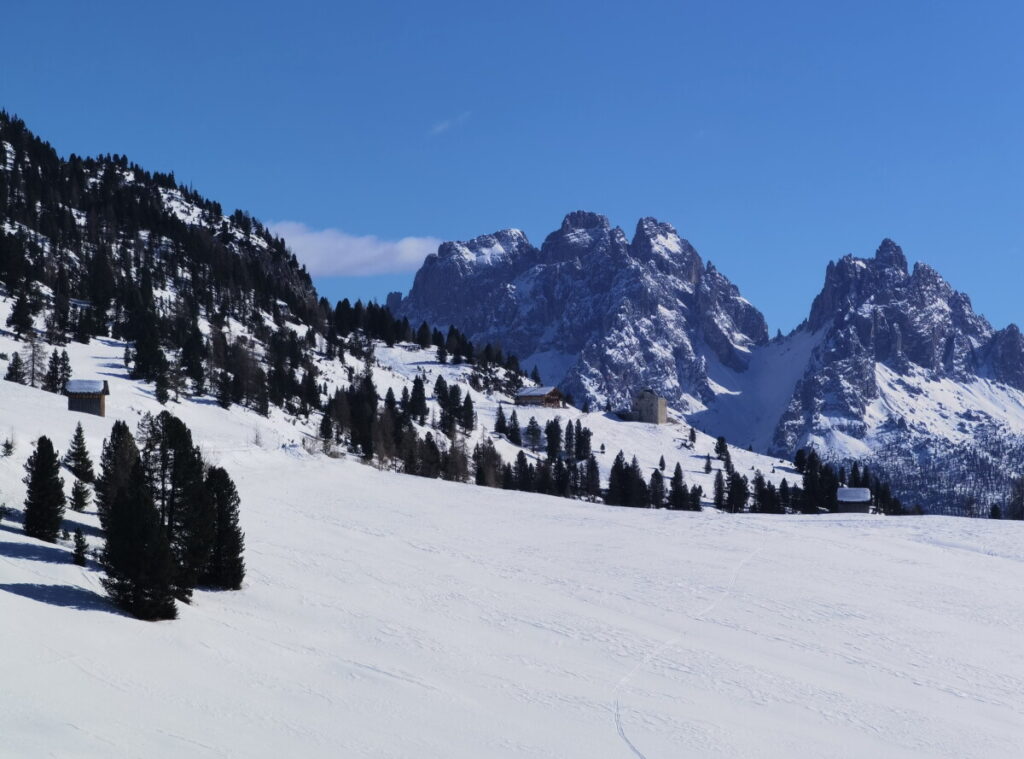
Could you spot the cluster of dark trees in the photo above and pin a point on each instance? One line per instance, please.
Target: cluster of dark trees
(170, 522)
(26, 367)
(627, 486)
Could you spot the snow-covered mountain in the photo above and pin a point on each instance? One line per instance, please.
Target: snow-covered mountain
(891, 365)
(597, 313)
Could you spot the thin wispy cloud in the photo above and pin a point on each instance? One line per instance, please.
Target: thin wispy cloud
(443, 126)
(333, 253)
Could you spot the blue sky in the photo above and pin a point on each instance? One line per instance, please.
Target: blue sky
(774, 136)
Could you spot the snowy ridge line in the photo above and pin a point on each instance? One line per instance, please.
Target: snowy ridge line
(670, 642)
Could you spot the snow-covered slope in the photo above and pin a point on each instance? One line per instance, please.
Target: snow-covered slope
(388, 615)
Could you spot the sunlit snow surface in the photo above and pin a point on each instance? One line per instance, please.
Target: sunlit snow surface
(391, 616)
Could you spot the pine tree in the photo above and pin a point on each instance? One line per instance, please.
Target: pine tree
(226, 567)
(33, 356)
(467, 417)
(533, 434)
(500, 423)
(116, 461)
(79, 496)
(661, 464)
(418, 400)
(721, 448)
(78, 557)
(16, 370)
(693, 435)
(44, 498)
(515, 435)
(174, 470)
(707, 464)
(137, 558)
(677, 493)
(535, 375)
(553, 438)
(51, 380)
(20, 318)
(656, 490)
(64, 371)
(161, 388)
(719, 498)
(77, 458)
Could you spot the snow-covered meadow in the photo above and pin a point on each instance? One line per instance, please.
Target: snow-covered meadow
(392, 616)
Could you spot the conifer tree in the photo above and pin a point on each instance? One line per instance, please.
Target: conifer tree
(656, 490)
(116, 461)
(137, 558)
(696, 493)
(553, 438)
(226, 567)
(500, 423)
(515, 435)
(44, 497)
(592, 478)
(467, 416)
(79, 496)
(20, 318)
(719, 497)
(51, 380)
(707, 464)
(678, 497)
(33, 359)
(174, 469)
(661, 464)
(418, 400)
(78, 557)
(16, 370)
(533, 434)
(77, 458)
(64, 371)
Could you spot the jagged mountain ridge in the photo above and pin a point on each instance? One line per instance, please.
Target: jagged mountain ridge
(888, 360)
(588, 301)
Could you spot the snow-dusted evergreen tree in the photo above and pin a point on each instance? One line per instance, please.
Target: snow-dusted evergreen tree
(44, 497)
(77, 458)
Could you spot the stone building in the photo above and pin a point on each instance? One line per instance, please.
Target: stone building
(650, 407)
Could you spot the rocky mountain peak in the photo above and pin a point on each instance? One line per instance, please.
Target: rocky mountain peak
(584, 220)
(890, 255)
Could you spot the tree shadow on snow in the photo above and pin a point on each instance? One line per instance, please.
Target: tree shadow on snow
(67, 596)
(34, 552)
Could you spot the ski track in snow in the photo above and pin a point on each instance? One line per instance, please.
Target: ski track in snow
(668, 643)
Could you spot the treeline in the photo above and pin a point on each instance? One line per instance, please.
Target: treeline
(816, 491)
(170, 521)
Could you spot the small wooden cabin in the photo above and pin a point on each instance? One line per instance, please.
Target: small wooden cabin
(87, 396)
(853, 500)
(551, 397)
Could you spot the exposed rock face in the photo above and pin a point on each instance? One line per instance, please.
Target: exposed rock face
(892, 366)
(875, 313)
(601, 315)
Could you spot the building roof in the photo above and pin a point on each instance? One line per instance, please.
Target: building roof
(853, 495)
(86, 387)
(532, 392)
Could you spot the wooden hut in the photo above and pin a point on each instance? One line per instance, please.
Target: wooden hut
(853, 500)
(87, 396)
(550, 397)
